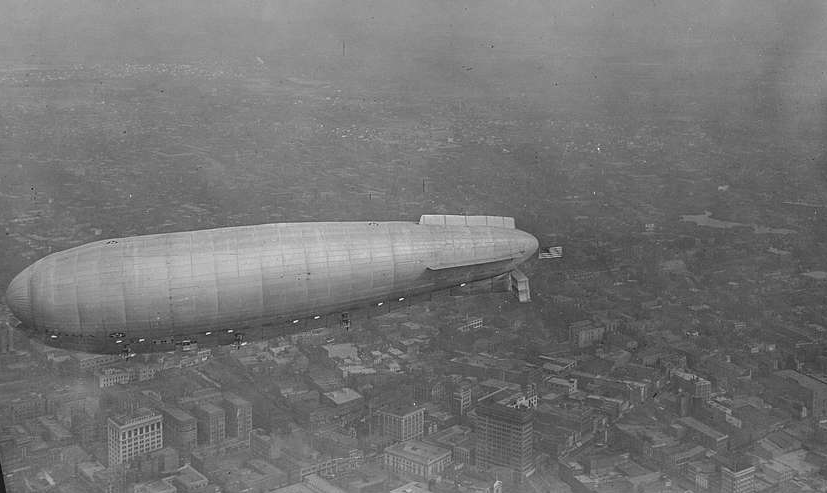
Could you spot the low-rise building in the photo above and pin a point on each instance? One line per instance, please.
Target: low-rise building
(417, 460)
(704, 434)
(108, 377)
(460, 440)
(585, 333)
(189, 480)
(159, 486)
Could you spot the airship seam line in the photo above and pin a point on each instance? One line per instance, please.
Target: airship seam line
(466, 263)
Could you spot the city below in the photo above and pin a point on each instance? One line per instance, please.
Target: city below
(443, 246)
(628, 392)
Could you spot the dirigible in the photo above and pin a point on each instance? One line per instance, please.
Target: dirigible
(237, 284)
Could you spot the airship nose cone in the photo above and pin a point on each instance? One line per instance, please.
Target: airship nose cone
(18, 298)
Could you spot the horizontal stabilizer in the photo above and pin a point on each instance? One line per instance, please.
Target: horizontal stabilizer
(460, 220)
(468, 262)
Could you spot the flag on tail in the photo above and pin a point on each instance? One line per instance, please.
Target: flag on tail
(551, 252)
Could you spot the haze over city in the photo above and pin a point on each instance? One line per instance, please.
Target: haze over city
(675, 151)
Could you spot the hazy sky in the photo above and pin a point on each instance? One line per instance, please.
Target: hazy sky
(765, 58)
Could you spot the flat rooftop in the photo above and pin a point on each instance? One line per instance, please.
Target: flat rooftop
(343, 395)
(418, 451)
(453, 435)
(412, 487)
(141, 414)
(178, 414)
(210, 408)
(702, 427)
(401, 409)
(236, 400)
(188, 475)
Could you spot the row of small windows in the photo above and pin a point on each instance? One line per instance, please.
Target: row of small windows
(141, 430)
(121, 337)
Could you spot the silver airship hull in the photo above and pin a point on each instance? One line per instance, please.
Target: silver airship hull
(219, 286)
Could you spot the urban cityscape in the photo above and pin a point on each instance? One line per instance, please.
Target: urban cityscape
(669, 336)
(630, 392)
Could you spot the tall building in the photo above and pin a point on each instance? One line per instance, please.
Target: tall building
(180, 429)
(84, 426)
(133, 435)
(211, 422)
(239, 414)
(505, 438)
(460, 399)
(739, 479)
(429, 389)
(402, 422)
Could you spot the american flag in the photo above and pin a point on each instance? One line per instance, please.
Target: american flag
(551, 252)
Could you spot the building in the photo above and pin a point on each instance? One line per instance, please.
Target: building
(211, 423)
(483, 366)
(460, 398)
(133, 435)
(180, 429)
(402, 423)
(429, 390)
(738, 479)
(585, 333)
(505, 438)
(264, 446)
(343, 406)
(704, 434)
(188, 480)
(412, 487)
(158, 486)
(146, 372)
(417, 460)
(560, 385)
(108, 377)
(265, 476)
(23, 407)
(460, 440)
(300, 464)
(692, 384)
(239, 413)
(777, 473)
(91, 362)
(313, 483)
(816, 388)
